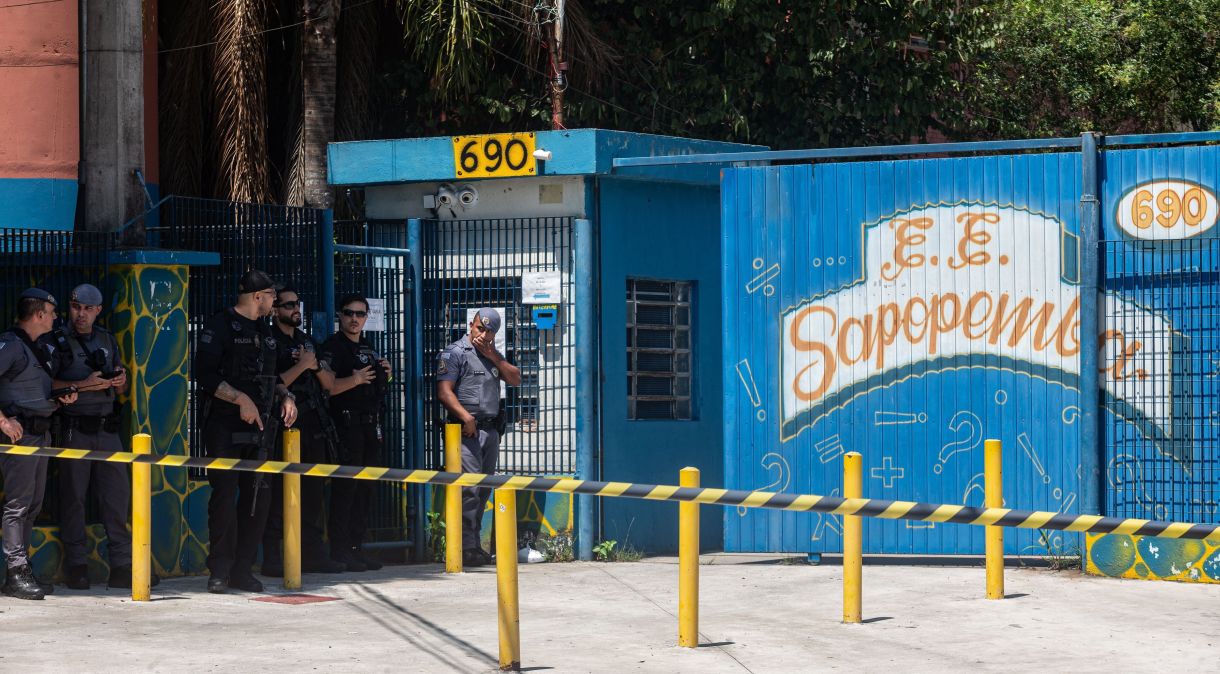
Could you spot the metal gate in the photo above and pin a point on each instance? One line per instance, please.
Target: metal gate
(302, 248)
(1161, 266)
(469, 264)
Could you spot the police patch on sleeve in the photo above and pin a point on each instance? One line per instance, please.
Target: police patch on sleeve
(205, 337)
(442, 365)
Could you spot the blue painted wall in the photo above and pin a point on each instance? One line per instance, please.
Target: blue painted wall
(38, 203)
(831, 274)
(670, 232)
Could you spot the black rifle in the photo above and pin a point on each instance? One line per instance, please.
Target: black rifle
(272, 423)
(313, 392)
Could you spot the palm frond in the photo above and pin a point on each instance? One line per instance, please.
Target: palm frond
(239, 86)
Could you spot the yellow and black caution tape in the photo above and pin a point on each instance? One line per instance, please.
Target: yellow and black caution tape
(833, 505)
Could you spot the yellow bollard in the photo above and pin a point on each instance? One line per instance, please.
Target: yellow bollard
(853, 535)
(994, 498)
(506, 579)
(453, 500)
(292, 512)
(141, 520)
(688, 564)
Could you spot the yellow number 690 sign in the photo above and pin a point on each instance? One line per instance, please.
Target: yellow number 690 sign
(494, 155)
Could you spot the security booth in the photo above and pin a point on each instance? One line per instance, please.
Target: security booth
(608, 283)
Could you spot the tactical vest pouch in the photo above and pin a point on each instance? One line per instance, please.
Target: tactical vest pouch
(90, 425)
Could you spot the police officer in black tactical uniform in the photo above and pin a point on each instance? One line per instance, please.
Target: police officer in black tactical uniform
(235, 368)
(468, 374)
(26, 405)
(297, 365)
(355, 376)
(86, 356)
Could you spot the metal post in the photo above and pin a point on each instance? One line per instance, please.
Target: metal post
(994, 498)
(453, 500)
(292, 512)
(327, 268)
(853, 533)
(415, 241)
(506, 579)
(141, 520)
(688, 564)
(1091, 446)
(586, 378)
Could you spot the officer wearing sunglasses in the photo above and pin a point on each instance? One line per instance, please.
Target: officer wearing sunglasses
(355, 376)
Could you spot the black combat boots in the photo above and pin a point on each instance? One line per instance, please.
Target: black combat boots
(76, 577)
(21, 584)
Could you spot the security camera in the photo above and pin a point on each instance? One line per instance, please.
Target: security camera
(544, 155)
(445, 196)
(467, 196)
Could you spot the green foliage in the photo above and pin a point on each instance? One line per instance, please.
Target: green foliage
(778, 73)
(611, 551)
(603, 550)
(436, 535)
(1061, 67)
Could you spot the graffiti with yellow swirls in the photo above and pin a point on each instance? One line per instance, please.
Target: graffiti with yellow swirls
(1148, 558)
(149, 319)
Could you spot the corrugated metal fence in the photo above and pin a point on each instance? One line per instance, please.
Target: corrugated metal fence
(908, 309)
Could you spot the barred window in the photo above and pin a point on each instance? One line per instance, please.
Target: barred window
(658, 349)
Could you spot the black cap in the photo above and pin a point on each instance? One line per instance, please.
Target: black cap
(254, 281)
(39, 294)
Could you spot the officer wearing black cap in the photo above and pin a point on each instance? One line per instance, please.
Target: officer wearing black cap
(297, 365)
(86, 356)
(468, 374)
(235, 368)
(355, 376)
(27, 401)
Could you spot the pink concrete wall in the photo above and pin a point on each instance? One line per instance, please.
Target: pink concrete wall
(39, 59)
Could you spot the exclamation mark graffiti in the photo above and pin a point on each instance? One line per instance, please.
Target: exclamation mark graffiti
(1028, 447)
(747, 378)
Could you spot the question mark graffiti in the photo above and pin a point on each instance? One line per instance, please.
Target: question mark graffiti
(974, 435)
(770, 461)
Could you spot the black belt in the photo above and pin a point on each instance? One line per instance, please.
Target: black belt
(485, 423)
(34, 425)
(92, 424)
(351, 418)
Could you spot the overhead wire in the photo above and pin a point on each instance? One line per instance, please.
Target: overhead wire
(264, 31)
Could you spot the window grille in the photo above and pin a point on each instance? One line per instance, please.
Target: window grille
(658, 349)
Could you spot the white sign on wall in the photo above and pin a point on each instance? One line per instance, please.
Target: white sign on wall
(944, 286)
(541, 287)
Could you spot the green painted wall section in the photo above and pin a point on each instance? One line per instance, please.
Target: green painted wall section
(1147, 558)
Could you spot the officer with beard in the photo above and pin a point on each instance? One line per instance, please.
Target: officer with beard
(87, 358)
(297, 365)
(235, 368)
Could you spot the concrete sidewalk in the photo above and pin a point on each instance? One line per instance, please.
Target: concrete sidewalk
(586, 617)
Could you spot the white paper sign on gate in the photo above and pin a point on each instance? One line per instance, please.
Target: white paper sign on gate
(376, 321)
